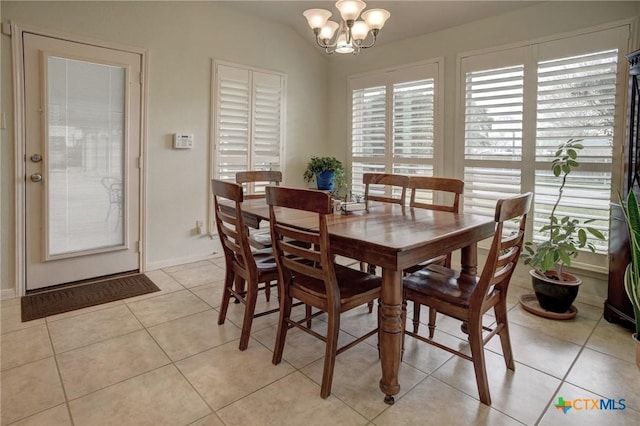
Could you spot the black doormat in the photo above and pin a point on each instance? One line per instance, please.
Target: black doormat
(67, 299)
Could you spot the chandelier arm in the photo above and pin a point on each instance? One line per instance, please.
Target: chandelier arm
(374, 33)
(328, 51)
(349, 24)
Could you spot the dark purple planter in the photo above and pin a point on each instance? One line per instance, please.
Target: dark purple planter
(552, 294)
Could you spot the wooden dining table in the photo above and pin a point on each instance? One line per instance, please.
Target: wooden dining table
(393, 238)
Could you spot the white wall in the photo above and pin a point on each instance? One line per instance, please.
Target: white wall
(182, 38)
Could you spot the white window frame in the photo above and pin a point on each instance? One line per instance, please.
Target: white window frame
(529, 54)
(388, 77)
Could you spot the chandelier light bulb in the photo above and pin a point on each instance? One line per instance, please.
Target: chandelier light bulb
(376, 18)
(327, 32)
(359, 30)
(350, 9)
(317, 18)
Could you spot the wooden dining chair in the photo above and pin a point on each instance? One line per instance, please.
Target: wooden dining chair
(385, 188)
(253, 182)
(245, 269)
(309, 274)
(424, 192)
(468, 297)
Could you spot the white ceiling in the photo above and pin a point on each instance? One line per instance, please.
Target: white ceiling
(408, 18)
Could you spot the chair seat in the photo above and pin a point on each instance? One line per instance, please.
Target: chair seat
(441, 283)
(260, 239)
(352, 283)
(265, 261)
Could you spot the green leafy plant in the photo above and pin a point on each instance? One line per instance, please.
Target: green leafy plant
(632, 273)
(322, 164)
(565, 236)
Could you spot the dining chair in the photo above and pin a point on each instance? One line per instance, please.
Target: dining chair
(245, 269)
(391, 184)
(468, 297)
(424, 191)
(383, 187)
(309, 274)
(253, 182)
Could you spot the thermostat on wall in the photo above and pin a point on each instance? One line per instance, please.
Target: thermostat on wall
(183, 140)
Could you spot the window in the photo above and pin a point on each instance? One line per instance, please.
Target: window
(394, 122)
(249, 120)
(520, 104)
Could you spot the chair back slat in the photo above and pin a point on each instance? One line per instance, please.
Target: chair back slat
(452, 188)
(391, 184)
(255, 181)
(300, 251)
(505, 249)
(232, 230)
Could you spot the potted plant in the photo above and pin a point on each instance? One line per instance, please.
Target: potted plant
(327, 171)
(556, 289)
(632, 273)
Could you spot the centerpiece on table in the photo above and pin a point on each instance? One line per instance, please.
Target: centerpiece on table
(328, 173)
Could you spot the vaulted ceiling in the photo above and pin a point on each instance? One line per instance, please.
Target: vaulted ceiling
(408, 18)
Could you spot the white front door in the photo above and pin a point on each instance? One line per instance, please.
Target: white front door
(82, 132)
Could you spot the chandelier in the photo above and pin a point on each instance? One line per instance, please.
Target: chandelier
(349, 35)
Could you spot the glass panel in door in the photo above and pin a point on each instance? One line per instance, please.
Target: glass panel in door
(85, 148)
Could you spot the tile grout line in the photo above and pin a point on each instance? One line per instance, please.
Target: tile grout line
(564, 377)
(64, 390)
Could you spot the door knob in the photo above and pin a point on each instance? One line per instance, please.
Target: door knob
(36, 177)
(36, 158)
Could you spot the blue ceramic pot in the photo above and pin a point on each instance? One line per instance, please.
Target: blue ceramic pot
(326, 180)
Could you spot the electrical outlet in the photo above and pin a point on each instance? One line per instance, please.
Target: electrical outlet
(200, 227)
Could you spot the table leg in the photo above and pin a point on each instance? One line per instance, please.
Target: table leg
(390, 332)
(469, 260)
(468, 266)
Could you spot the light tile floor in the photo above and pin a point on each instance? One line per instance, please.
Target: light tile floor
(161, 359)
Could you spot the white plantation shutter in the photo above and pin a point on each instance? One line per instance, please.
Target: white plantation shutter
(267, 131)
(413, 124)
(531, 100)
(248, 120)
(494, 104)
(367, 134)
(393, 116)
(576, 99)
(232, 119)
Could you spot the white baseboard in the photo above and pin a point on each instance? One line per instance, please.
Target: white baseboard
(159, 264)
(7, 293)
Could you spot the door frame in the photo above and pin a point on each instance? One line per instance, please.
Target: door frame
(17, 50)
